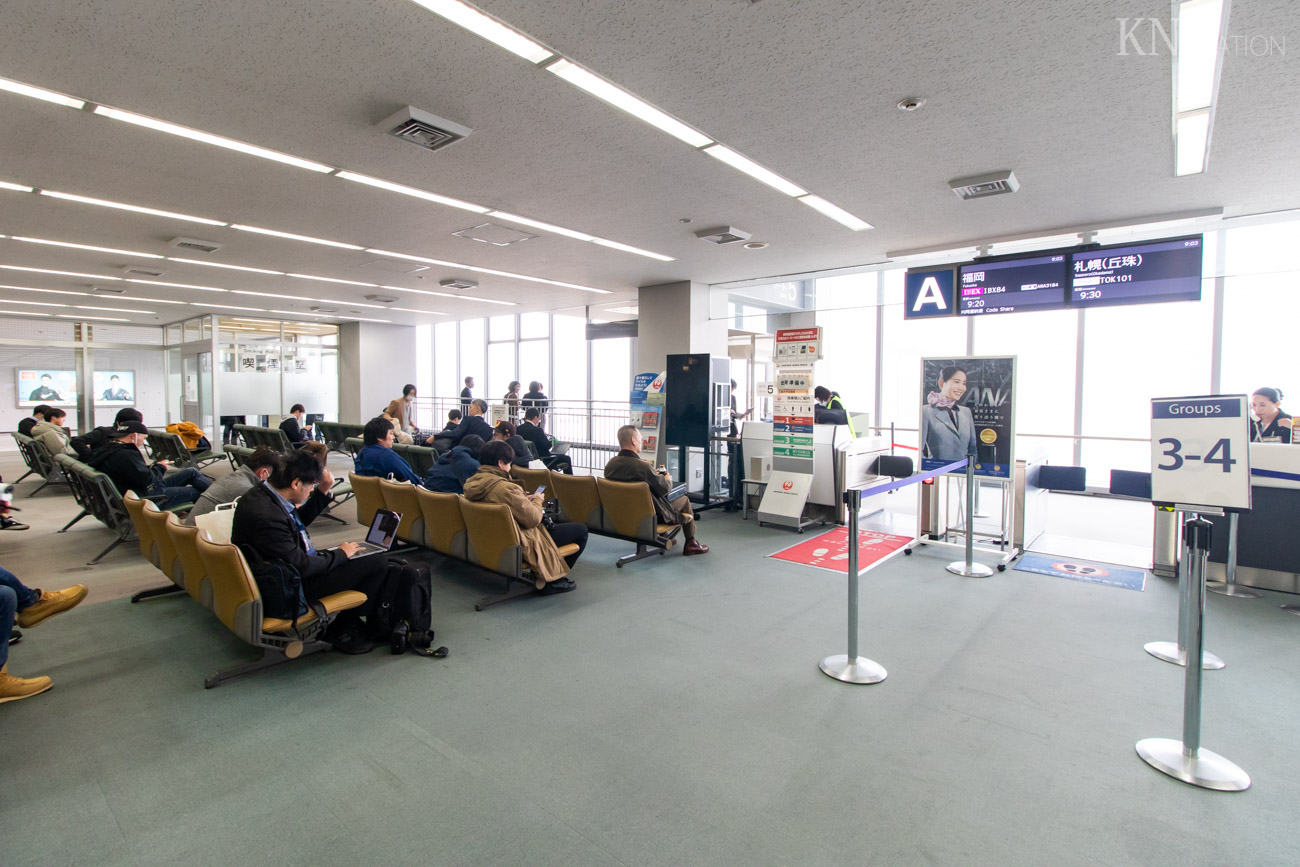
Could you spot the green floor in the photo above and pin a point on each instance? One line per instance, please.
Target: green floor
(670, 712)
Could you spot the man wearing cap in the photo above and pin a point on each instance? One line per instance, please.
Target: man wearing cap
(122, 461)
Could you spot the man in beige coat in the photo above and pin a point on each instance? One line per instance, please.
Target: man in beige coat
(493, 484)
(51, 433)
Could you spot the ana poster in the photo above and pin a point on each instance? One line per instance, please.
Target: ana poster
(968, 405)
(114, 387)
(53, 387)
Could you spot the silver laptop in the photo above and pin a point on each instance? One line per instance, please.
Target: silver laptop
(382, 533)
(560, 448)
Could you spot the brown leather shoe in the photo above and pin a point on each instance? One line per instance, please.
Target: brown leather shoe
(693, 546)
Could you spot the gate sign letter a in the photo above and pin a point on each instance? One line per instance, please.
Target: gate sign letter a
(930, 293)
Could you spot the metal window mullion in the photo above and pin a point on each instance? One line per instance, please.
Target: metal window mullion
(1216, 332)
(1078, 391)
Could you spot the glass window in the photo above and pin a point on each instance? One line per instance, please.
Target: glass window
(905, 343)
(424, 360)
(533, 358)
(849, 338)
(534, 325)
(446, 378)
(471, 354)
(571, 359)
(501, 369)
(1258, 293)
(611, 369)
(502, 327)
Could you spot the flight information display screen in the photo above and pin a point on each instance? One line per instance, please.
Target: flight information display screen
(1168, 270)
(1011, 285)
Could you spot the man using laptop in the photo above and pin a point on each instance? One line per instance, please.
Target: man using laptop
(627, 466)
(271, 519)
(531, 430)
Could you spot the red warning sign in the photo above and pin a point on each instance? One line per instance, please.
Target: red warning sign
(831, 550)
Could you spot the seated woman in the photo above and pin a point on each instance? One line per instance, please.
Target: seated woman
(492, 484)
(454, 467)
(506, 432)
(377, 457)
(1270, 424)
(400, 435)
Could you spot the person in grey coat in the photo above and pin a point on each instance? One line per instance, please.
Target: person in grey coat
(947, 428)
(256, 469)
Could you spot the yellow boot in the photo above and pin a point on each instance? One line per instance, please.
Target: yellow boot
(51, 604)
(15, 688)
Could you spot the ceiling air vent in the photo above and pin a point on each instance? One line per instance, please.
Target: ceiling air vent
(458, 283)
(982, 186)
(381, 299)
(196, 244)
(394, 267)
(421, 128)
(494, 234)
(142, 271)
(323, 309)
(108, 290)
(723, 235)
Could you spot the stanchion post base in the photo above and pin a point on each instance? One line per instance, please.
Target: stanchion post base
(1207, 770)
(1169, 651)
(1234, 590)
(977, 570)
(1290, 609)
(857, 670)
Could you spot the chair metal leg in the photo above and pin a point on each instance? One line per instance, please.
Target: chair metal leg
(45, 484)
(271, 657)
(642, 551)
(83, 514)
(157, 591)
(23, 476)
(102, 554)
(510, 594)
(332, 517)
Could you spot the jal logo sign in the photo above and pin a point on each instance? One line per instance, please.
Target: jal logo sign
(930, 293)
(787, 485)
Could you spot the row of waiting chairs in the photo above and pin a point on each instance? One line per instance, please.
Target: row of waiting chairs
(218, 577)
(98, 497)
(39, 462)
(342, 489)
(164, 445)
(483, 534)
(336, 435)
(271, 437)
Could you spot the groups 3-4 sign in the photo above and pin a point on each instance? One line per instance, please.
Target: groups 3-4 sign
(1200, 451)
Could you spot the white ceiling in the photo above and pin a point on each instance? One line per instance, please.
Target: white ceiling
(806, 87)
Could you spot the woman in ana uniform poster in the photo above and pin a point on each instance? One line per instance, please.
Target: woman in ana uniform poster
(967, 408)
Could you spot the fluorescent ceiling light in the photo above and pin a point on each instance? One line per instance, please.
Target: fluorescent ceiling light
(87, 247)
(21, 313)
(104, 203)
(328, 316)
(488, 28)
(177, 285)
(94, 318)
(209, 138)
(40, 93)
(312, 300)
(332, 280)
(246, 319)
(225, 307)
(621, 99)
(115, 309)
(838, 214)
(423, 312)
(50, 291)
(534, 280)
(450, 295)
(538, 224)
(412, 191)
(231, 267)
(1198, 52)
(294, 237)
(150, 300)
(37, 303)
(424, 259)
(615, 245)
(1191, 143)
(754, 170)
(18, 188)
(64, 273)
(271, 295)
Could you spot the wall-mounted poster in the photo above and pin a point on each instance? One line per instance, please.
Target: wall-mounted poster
(967, 405)
(114, 387)
(53, 387)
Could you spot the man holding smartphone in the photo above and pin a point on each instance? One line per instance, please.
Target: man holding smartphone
(627, 466)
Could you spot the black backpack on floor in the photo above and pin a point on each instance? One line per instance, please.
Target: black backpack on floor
(406, 609)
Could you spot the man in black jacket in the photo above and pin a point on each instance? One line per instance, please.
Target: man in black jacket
(88, 443)
(472, 423)
(531, 430)
(39, 413)
(122, 461)
(627, 466)
(272, 519)
(293, 427)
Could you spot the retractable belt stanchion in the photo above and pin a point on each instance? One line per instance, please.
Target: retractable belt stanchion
(1229, 585)
(969, 568)
(851, 668)
(1187, 760)
(1176, 651)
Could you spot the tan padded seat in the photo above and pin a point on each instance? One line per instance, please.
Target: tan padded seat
(143, 531)
(168, 559)
(185, 540)
(579, 500)
(369, 497)
(493, 537)
(444, 526)
(566, 550)
(400, 497)
(629, 510)
(333, 603)
(531, 479)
